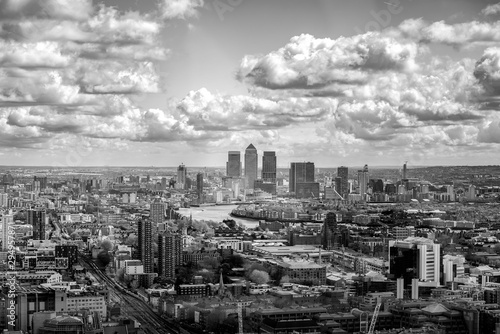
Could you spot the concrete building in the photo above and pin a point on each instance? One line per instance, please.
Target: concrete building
(38, 219)
(415, 258)
(169, 254)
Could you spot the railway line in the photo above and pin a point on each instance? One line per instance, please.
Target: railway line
(132, 305)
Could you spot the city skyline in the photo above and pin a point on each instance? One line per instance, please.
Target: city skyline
(156, 83)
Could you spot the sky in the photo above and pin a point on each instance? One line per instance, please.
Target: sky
(165, 82)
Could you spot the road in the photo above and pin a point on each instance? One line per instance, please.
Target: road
(131, 304)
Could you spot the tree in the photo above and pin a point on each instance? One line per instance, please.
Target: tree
(259, 277)
(107, 245)
(131, 240)
(285, 279)
(234, 261)
(75, 236)
(103, 258)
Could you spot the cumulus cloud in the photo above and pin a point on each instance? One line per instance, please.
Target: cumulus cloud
(487, 71)
(308, 62)
(491, 9)
(180, 9)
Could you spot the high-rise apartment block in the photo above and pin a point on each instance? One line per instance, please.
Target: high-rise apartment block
(38, 219)
(157, 211)
(169, 254)
(251, 165)
(233, 164)
(145, 244)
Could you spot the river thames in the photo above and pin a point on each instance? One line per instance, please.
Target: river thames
(217, 213)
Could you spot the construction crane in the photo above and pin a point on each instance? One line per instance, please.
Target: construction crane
(374, 317)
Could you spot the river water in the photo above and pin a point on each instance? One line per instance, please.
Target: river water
(217, 213)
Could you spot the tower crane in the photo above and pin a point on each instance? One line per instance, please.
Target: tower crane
(374, 317)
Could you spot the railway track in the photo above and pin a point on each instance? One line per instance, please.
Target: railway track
(132, 305)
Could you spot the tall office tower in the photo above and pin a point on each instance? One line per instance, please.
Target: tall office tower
(181, 177)
(269, 167)
(199, 187)
(363, 179)
(6, 221)
(169, 254)
(343, 173)
(300, 172)
(145, 244)
(157, 211)
(251, 165)
(415, 258)
(233, 164)
(37, 218)
(163, 183)
(329, 233)
(404, 172)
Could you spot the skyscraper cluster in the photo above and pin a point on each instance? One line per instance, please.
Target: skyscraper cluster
(251, 180)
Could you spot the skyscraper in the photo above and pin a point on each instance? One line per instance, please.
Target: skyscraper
(181, 177)
(251, 165)
(233, 164)
(199, 187)
(269, 167)
(343, 186)
(363, 179)
(300, 172)
(37, 218)
(145, 247)
(157, 211)
(169, 254)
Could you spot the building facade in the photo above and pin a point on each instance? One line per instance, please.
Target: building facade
(251, 165)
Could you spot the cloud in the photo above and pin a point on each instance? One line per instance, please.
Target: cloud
(490, 132)
(310, 63)
(491, 9)
(487, 71)
(180, 9)
(51, 9)
(457, 35)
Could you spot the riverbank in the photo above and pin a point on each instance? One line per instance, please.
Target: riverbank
(217, 213)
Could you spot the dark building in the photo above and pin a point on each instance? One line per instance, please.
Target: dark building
(68, 251)
(251, 165)
(378, 186)
(300, 172)
(269, 167)
(199, 187)
(38, 218)
(42, 180)
(145, 247)
(390, 188)
(233, 165)
(169, 254)
(343, 187)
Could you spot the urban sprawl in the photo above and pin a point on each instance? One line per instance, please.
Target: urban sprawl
(299, 249)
